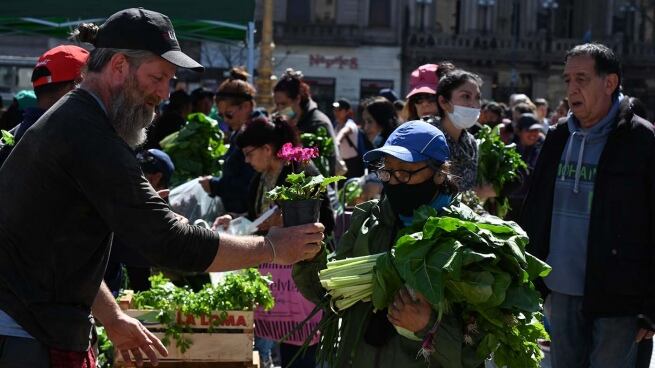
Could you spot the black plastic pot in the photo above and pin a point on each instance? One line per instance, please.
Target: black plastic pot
(300, 212)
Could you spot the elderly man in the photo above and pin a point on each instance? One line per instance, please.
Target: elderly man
(73, 181)
(590, 213)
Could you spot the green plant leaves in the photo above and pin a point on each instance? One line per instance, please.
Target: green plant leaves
(7, 138)
(302, 187)
(498, 164)
(475, 267)
(196, 149)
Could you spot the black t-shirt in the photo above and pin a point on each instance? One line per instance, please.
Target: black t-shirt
(70, 184)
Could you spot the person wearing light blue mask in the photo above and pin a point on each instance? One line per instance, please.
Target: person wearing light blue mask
(293, 101)
(458, 100)
(413, 165)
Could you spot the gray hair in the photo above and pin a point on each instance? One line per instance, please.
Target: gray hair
(99, 58)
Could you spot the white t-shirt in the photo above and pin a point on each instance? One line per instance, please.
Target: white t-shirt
(345, 148)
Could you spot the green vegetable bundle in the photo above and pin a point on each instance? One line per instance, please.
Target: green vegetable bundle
(498, 164)
(350, 193)
(475, 268)
(242, 290)
(325, 145)
(195, 149)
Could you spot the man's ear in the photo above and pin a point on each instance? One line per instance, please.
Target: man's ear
(611, 83)
(119, 68)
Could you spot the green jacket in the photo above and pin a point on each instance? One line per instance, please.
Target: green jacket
(372, 230)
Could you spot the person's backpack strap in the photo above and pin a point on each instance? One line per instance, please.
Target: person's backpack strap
(350, 142)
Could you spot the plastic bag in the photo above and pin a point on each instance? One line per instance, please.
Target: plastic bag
(192, 202)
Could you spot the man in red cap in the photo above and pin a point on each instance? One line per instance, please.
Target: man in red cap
(58, 71)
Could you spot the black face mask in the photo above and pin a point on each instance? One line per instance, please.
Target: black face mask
(405, 198)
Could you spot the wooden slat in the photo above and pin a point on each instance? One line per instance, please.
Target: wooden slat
(209, 347)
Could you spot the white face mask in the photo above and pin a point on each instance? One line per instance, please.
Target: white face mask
(464, 117)
(288, 112)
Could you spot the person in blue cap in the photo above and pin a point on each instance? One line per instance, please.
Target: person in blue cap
(413, 166)
(158, 168)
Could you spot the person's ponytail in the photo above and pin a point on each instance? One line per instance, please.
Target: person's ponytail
(85, 32)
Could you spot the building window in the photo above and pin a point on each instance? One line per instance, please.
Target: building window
(298, 11)
(371, 87)
(379, 13)
(325, 11)
(322, 90)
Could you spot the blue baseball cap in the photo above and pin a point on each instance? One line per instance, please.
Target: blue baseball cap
(154, 161)
(414, 141)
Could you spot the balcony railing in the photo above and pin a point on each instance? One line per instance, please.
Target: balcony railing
(332, 35)
(538, 49)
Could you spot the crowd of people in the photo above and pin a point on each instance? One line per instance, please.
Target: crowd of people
(87, 168)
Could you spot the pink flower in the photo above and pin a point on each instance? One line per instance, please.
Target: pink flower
(286, 152)
(297, 154)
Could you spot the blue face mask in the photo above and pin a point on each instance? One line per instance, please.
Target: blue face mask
(442, 200)
(288, 113)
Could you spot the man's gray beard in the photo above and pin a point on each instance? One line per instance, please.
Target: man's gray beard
(129, 115)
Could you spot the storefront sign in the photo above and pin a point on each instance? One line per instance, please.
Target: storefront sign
(336, 61)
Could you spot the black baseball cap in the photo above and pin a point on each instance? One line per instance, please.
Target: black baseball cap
(528, 121)
(341, 103)
(142, 29)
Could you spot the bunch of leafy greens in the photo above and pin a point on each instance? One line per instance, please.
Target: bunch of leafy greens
(498, 165)
(242, 290)
(105, 357)
(468, 266)
(350, 193)
(196, 149)
(302, 187)
(325, 145)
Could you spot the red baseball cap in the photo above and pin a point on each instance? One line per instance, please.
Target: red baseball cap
(423, 80)
(60, 64)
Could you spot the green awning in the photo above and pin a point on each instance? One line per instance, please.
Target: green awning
(216, 20)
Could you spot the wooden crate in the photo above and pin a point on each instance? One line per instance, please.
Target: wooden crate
(187, 364)
(229, 342)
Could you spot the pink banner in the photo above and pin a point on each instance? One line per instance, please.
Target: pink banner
(290, 309)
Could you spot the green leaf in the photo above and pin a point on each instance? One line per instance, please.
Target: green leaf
(8, 138)
(522, 298)
(474, 288)
(386, 282)
(470, 256)
(536, 267)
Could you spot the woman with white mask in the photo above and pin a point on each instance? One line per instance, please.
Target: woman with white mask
(458, 100)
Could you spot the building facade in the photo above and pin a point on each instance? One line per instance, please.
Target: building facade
(518, 46)
(345, 48)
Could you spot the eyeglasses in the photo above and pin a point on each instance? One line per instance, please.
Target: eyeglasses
(247, 153)
(403, 176)
(424, 97)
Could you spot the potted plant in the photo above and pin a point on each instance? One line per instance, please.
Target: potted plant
(300, 199)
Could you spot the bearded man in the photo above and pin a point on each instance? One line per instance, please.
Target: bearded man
(73, 181)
